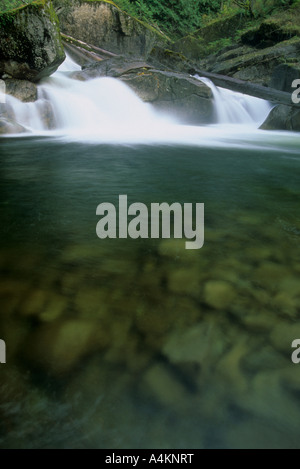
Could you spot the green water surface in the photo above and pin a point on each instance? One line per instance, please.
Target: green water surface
(141, 343)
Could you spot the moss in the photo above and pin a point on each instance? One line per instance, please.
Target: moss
(22, 38)
(21, 6)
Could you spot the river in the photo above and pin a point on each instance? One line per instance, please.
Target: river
(123, 343)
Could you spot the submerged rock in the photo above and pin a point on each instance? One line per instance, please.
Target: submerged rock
(161, 384)
(219, 294)
(30, 42)
(59, 346)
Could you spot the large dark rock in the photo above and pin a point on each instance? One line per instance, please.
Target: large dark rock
(283, 77)
(283, 118)
(30, 42)
(251, 64)
(267, 34)
(177, 94)
(104, 25)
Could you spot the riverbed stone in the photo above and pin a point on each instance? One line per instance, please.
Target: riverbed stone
(261, 321)
(269, 401)
(161, 384)
(35, 303)
(56, 307)
(283, 335)
(202, 344)
(184, 281)
(91, 303)
(270, 274)
(229, 368)
(59, 346)
(219, 294)
(263, 358)
(286, 305)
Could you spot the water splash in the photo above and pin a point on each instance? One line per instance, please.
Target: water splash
(237, 108)
(105, 110)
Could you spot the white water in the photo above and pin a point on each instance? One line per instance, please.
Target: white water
(237, 108)
(105, 110)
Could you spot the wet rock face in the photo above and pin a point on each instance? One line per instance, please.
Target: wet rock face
(177, 94)
(30, 43)
(267, 34)
(283, 77)
(10, 127)
(104, 25)
(251, 64)
(283, 118)
(23, 90)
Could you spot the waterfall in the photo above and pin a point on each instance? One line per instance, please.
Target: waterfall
(237, 108)
(107, 110)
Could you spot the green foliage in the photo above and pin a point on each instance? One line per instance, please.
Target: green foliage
(7, 5)
(176, 17)
(262, 8)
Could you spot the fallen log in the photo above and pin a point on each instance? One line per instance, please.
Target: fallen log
(84, 53)
(245, 87)
(81, 56)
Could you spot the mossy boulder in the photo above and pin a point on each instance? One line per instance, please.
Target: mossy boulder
(103, 24)
(194, 48)
(251, 64)
(30, 42)
(269, 33)
(221, 28)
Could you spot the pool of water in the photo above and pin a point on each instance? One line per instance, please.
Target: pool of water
(141, 343)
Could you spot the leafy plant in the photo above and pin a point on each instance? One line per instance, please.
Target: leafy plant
(176, 17)
(7, 5)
